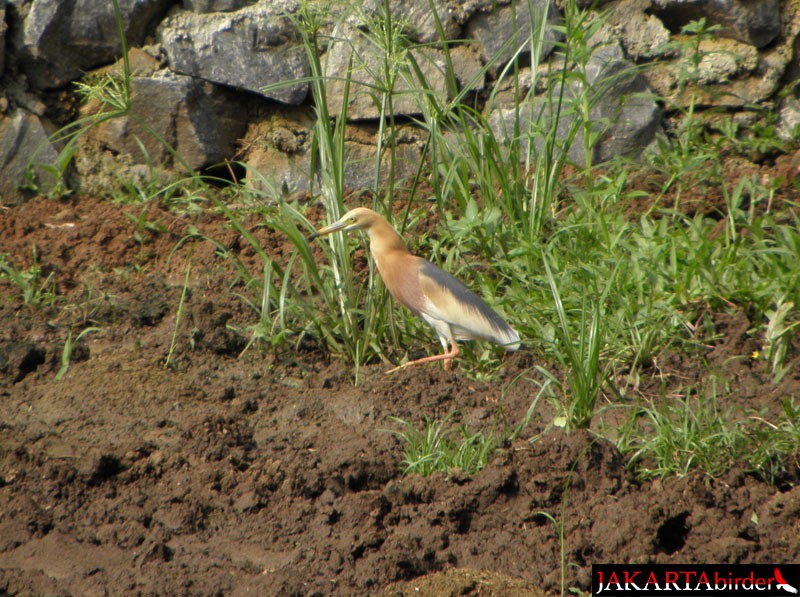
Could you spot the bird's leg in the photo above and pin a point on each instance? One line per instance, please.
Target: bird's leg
(447, 357)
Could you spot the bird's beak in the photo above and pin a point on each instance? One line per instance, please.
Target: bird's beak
(338, 225)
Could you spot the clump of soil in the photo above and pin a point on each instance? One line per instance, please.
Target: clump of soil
(272, 474)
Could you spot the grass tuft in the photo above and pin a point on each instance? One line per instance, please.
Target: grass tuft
(434, 448)
(34, 289)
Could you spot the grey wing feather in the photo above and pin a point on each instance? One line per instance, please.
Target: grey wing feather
(501, 332)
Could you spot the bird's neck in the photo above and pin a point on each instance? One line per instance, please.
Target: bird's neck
(384, 240)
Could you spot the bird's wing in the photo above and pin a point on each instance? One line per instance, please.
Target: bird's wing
(447, 299)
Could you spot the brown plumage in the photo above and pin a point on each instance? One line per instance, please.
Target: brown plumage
(452, 309)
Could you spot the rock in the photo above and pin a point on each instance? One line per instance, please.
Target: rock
(249, 49)
(725, 59)
(493, 30)
(273, 169)
(368, 81)
(97, 466)
(200, 121)
(634, 116)
(721, 60)
(754, 22)
(278, 161)
(642, 35)
(361, 151)
(467, 67)
(626, 111)
(24, 141)
(789, 119)
(58, 40)
(727, 81)
(756, 77)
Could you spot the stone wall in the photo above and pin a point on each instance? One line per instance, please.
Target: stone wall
(228, 79)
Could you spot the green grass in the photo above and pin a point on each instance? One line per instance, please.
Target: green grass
(579, 355)
(692, 432)
(179, 313)
(598, 290)
(437, 448)
(32, 287)
(69, 348)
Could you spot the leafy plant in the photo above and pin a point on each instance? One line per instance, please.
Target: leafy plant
(143, 226)
(179, 314)
(434, 449)
(690, 432)
(685, 154)
(69, 347)
(34, 290)
(579, 357)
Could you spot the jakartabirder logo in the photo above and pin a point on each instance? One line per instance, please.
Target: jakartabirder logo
(615, 580)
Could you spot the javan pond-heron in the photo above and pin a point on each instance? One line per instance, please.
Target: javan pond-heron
(452, 309)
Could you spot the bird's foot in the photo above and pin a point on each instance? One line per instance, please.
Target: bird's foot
(448, 361)
(403, 366)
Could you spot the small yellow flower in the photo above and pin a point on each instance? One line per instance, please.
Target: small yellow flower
(756, 355)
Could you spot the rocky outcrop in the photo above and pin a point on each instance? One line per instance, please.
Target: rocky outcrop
(25, 154)
(216, 5)
(171, 115)
(356, 63)
(280, 156)
(57, 41)
(229, 78)
(624, 113)
(503, 33)
(753, 22)
(250, 49)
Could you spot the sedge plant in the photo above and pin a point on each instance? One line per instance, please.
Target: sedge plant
(580, 355)
(435, 449)
(689, 431)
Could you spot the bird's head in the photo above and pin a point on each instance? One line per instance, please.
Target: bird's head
(359, 218)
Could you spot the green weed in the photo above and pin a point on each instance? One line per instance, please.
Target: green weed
(579, 356)
(179, 313)
(434, 449)
(144, 227)
(34, 289)
(69, 347)
(685, 433)
(689, 432)
(684, 157)
(774, 448)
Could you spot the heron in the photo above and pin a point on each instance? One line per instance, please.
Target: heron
(446, 304)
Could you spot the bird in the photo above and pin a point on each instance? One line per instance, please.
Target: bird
(447, 305)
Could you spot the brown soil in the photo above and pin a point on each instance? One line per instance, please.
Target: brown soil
(270, 473)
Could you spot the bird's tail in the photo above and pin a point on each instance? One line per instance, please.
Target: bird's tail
(511, 341)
